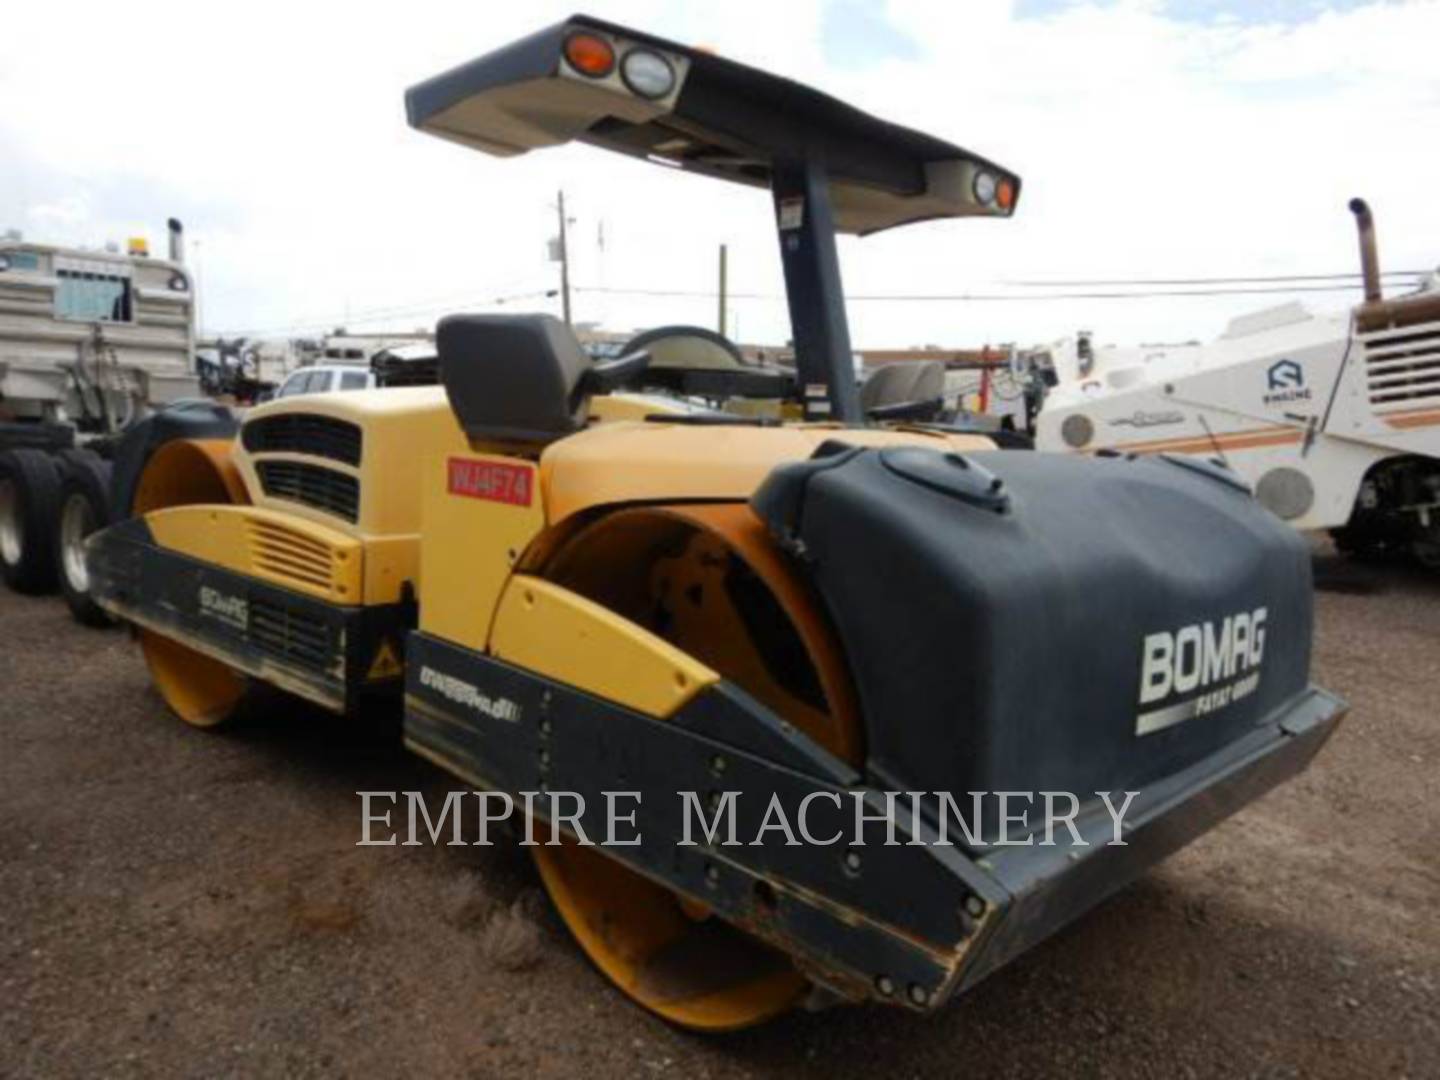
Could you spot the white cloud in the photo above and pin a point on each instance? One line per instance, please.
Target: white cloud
(1148, 146)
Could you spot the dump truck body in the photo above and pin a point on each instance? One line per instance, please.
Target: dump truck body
(92, 338)
(91, 342)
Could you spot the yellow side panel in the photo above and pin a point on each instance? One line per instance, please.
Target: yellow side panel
(390, 561)
(624, 462)
(478, 514)
(278, 548)
(563, 636)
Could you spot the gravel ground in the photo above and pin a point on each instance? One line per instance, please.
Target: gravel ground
(175, 902)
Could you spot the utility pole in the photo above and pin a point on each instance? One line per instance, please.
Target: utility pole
(724, 289)
(564, 264)
(195, 290)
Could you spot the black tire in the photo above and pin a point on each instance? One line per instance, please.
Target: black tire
(1427, 554)
(83, 507)
(29, 498)
(1361, 543)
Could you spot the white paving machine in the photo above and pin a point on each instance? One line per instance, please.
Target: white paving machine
(1333, 420)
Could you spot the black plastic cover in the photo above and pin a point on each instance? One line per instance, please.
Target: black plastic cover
(998, 628)
(183, 420)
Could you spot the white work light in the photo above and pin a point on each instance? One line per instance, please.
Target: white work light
(984, 187)
(647, 73)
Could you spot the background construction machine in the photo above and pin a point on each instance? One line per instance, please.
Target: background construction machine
(579, 594)
(1334, 420)
(90, 342)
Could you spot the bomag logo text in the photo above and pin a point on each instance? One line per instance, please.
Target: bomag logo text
(231, 610)
(464, 693)
(1217, 662)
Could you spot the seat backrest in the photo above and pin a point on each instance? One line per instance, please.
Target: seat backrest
(902, 383)
(512, 378)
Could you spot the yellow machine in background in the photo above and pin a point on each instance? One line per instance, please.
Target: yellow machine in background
(583, 591)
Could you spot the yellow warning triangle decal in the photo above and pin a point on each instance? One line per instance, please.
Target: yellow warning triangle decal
(386, 664)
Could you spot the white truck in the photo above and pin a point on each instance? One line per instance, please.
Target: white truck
(1333, 420)
(90, 342)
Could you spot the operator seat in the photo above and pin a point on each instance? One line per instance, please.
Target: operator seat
(522, 378)
(906, 390)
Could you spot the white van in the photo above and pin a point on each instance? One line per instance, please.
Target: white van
(323, 378)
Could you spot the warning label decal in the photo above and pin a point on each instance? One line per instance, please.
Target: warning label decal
(386, 664)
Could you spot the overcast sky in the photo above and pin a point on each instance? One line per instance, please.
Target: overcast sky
(1156, 139)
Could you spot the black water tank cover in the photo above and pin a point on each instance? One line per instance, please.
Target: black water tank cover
(950, 474)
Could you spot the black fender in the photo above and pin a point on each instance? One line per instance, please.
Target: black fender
(183, 420)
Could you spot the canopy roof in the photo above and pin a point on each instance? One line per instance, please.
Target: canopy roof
(721, 118)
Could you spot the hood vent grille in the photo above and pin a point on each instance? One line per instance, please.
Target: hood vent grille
(1402, 367)
(328, 490)
(304, 433)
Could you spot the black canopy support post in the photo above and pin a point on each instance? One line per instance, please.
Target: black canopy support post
(823, 359)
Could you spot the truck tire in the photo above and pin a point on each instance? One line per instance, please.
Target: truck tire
(1364, 542)
(29, 497)
(83, 507)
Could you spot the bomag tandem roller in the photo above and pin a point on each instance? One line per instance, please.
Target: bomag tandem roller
(580, 595)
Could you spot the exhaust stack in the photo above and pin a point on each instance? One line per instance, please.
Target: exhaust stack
(177, 240)
(1369, 255)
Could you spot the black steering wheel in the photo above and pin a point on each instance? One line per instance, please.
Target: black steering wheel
(698, 362)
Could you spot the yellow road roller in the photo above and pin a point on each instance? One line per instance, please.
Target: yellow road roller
(740, 624)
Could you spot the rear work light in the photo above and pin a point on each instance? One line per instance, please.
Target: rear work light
(992, 191)
(1005, 195)
(590, 55)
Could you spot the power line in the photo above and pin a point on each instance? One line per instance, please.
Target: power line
(374, 314)
(1137, 294)
(367, 313)
(702, 294)
(1234, 286)
(1263, 278)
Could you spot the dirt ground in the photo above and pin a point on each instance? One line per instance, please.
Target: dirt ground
(181, 903)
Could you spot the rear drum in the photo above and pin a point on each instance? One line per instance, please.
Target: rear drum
(708, 580)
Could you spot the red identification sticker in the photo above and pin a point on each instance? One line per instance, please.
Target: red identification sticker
(493, 480)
